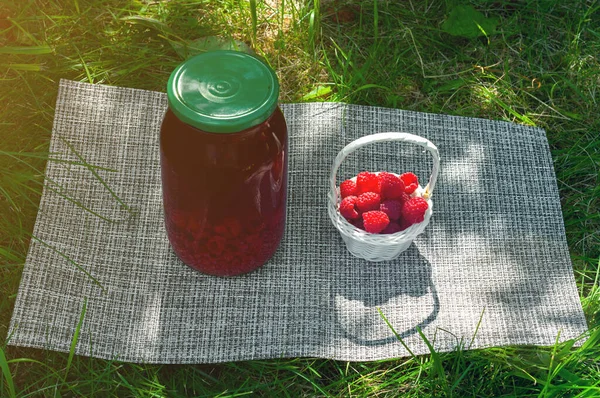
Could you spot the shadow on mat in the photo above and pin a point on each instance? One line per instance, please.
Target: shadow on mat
(402, 289)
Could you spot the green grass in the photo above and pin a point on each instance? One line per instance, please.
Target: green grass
(541, 67)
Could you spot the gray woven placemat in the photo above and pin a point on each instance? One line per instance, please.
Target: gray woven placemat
(493, 260)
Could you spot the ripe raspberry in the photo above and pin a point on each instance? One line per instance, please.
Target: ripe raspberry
(367, 182)
(403, 224)
(404, 198)
(414, 210)
(375, 221)
(411, 182)
(391, 207)
(368, 201)
(392, 228)
(392, 187)
(348, 188)
(347, 208)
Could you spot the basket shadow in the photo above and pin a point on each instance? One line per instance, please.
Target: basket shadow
(402, 290)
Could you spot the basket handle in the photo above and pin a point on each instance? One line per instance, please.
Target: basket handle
(380, 137)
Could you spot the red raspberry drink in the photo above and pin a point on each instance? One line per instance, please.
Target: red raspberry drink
(223, 150)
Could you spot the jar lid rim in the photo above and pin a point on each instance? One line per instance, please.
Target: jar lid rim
(223, 91)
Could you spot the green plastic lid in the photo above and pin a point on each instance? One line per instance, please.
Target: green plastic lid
(223, 91)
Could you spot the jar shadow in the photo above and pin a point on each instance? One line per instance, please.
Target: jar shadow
(402, 290)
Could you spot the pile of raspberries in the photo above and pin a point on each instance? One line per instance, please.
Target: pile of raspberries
(381, 203)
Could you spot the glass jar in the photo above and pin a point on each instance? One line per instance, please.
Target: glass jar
(224, 156)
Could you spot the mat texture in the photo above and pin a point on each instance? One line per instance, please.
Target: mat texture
(491, 269)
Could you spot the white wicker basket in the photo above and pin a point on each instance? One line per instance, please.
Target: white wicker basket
(380, 247)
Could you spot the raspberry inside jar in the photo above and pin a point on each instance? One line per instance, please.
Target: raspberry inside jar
(224, 176)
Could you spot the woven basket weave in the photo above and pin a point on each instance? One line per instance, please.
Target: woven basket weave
(380, 247)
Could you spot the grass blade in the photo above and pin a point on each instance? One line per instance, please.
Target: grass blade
(76, 336)
(95, 174)
(369, 86)
(552, 370)
(75, 202)
(253, 15)
(59, 188)
(395, 333)
(33, 50)
(477, 328)
(8, 198)
(522, 118)
(308, 380)
(25, 67)
(9, 255)
(7, 375)
(313, 25)
(461, 377)
(375, 21)
(70, 260)
(24, 31)
(436, 359)
(150, 23)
